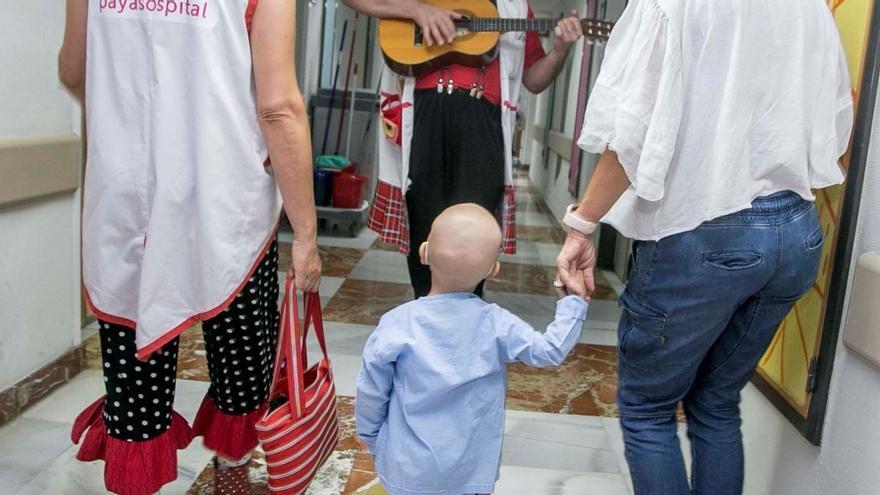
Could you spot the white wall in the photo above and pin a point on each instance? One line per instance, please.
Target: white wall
(39, 287)
(30, 100)
(39, 247)
(779, 461)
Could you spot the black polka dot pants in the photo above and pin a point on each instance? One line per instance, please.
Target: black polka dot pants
(240, 346)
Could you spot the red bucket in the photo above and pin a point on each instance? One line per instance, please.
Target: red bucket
(348, 190)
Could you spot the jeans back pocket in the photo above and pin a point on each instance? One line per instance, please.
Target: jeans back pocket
(732, 260)
(816, 240)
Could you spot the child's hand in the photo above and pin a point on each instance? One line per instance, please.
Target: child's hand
(577, 290)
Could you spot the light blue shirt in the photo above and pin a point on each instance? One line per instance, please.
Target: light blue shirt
(431, 391)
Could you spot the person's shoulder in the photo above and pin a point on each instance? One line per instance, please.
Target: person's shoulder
(395, 315)
(391, 330)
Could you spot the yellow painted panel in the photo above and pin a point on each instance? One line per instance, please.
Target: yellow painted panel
(787, 360)
(852, 16)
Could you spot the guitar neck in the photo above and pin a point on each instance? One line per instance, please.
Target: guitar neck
(503, 25)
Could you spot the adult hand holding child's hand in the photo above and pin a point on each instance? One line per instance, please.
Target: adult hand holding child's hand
(575, 265)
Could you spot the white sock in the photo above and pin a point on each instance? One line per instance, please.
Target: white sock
(224, 463)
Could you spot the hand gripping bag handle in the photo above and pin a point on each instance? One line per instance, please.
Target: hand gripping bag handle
(292, 355)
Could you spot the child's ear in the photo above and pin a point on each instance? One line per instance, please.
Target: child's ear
(423, 253)
(495, 270)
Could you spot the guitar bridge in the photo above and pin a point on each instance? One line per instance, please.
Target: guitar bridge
(417, 38)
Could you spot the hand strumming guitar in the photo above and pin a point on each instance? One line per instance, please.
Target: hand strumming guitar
(437, 24)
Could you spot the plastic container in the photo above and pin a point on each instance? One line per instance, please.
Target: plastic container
(323, 187)
(348, 190)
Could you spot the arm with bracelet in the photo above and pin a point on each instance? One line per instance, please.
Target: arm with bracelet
(577, 259)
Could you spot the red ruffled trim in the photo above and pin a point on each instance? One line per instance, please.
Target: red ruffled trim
(131, 468)
(231, 435)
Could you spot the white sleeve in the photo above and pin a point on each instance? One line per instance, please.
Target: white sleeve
(844, 112)
(636, 104)
(832, 123)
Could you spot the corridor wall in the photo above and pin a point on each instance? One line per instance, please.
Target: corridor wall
(39, 199)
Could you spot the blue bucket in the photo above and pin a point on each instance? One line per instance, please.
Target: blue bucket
(323, 187)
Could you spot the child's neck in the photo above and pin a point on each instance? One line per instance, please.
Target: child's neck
(439, 288)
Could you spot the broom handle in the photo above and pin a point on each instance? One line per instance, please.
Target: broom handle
(376, 104)
(347, 81)
(350, 119)
(333, 91)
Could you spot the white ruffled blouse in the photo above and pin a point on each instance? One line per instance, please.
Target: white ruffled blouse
(710, 104)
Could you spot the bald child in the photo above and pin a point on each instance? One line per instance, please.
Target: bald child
(431, 390)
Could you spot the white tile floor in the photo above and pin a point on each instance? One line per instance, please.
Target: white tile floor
(382, 266)
(533, 219)
(518, 480)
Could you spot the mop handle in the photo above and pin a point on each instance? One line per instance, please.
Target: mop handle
(377, 102)
(351, 119)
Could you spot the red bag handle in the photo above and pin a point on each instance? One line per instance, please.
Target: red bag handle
(292, 356)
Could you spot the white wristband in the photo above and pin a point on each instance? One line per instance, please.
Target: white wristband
(577, 222)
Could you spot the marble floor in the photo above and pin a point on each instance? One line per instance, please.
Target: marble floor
(561, 435)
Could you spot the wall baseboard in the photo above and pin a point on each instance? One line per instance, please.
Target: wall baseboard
(28, 391)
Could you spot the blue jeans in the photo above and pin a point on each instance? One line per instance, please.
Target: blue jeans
(699, 311)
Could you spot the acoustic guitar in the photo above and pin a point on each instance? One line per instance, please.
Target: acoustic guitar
(476, 37)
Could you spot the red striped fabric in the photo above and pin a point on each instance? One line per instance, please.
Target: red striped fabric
(301, 429)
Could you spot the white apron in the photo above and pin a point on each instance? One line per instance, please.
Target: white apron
(178, 206)
(388, 217)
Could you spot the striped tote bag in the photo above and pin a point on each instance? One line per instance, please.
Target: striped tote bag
(300, 429)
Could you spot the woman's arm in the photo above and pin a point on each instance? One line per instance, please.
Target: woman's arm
(577, 259)
(283, 120)
(607, 184)
(72, 57)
